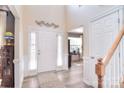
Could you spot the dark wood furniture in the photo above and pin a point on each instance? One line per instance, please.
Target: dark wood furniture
(7, 55)
(7, 66)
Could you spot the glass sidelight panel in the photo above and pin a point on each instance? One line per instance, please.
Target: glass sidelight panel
(33, 56)
(59, 51)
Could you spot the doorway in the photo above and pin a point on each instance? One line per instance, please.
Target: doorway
(75, 46)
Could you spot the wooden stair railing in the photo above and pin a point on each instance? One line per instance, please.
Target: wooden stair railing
(102, 62)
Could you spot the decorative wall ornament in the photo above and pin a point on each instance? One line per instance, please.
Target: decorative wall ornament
(41, 23)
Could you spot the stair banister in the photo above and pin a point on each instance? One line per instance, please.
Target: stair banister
(102, 62)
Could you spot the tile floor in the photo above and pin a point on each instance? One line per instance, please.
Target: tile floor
(73, 78)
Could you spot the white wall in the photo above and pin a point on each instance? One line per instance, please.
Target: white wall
(49, 14)
(80, 16)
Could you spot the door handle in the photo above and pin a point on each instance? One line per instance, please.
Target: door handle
(92, 57)
(38, 52)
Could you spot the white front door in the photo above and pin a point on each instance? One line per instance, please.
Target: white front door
(104, 31)
(47, 51)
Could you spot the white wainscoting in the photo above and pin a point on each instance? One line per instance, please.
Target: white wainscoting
(89, 76)
(18, 72)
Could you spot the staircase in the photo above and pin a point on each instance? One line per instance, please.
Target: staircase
(109, 75)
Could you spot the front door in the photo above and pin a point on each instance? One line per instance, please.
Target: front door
(47, 51)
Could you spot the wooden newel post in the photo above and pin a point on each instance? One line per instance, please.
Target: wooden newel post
(100, 71)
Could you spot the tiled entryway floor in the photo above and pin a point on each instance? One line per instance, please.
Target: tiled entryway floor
(73, 78)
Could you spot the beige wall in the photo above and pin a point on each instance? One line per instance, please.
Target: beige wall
(47, 13)
(81, 16)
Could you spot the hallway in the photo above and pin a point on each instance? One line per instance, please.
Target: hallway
(62, 79)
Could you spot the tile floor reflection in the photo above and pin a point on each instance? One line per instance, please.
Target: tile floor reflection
(73, 78)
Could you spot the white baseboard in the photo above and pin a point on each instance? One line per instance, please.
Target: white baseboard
(31, 73)
(87, 83)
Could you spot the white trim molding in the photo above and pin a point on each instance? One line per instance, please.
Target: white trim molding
(107, 12)
(18, 62)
